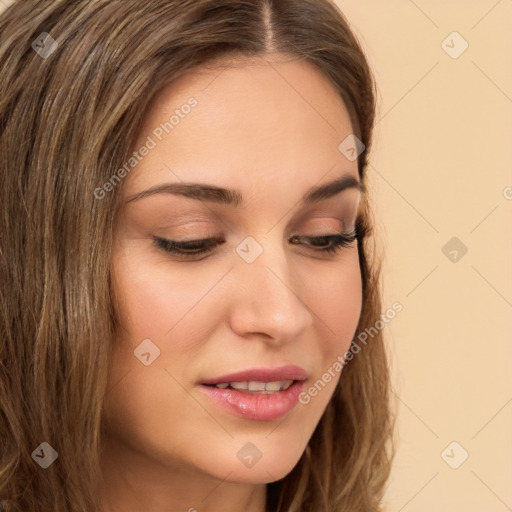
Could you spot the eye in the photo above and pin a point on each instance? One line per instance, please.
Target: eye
(329, 244)
(189, 248)
(334, 243)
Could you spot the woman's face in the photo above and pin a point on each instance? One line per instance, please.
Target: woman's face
(256, 302)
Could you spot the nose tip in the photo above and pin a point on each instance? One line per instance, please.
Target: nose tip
(269, 305)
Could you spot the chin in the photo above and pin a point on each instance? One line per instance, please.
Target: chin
(260, 474)
(258, 467)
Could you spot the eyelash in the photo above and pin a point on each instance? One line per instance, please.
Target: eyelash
(338, 242)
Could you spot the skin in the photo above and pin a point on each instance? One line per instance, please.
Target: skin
(271, 129)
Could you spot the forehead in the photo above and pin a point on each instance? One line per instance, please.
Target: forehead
(275, 120)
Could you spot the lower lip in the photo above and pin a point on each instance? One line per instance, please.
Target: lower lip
(256, 406)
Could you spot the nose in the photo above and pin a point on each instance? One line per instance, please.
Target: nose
(269, 299)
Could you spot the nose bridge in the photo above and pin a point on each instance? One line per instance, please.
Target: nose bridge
(267, 300)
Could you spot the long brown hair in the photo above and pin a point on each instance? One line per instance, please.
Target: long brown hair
(69, 115)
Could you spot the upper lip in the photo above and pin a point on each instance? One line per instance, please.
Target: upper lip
(288, 372)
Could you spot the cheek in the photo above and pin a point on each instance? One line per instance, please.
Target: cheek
(334, 295)
(336, 299)
(151, 299)
(155, 303)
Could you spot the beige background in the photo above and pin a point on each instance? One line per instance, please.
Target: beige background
(441, 161)
(441, 165)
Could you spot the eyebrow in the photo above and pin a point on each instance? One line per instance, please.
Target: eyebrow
(205, 192)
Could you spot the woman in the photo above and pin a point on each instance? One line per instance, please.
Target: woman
(187, 259)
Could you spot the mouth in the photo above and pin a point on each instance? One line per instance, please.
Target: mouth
(259, 376)
(262, 394)
(255, 386)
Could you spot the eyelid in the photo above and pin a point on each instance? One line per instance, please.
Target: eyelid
(319, 229)
(185, 250)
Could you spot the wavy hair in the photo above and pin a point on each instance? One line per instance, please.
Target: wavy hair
(68, 120)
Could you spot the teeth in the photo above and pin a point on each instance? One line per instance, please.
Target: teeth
(257, 386)
(272, 386)
(286, 383)
(238, 385)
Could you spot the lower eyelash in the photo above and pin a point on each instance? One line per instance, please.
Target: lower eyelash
(338, 241)
(197, 247)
